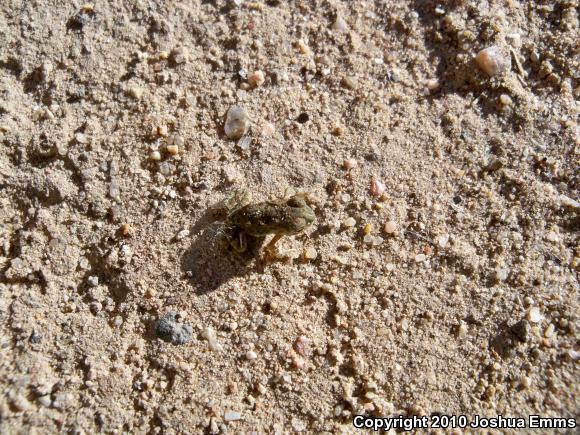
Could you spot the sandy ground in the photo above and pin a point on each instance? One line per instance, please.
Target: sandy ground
(449, 287)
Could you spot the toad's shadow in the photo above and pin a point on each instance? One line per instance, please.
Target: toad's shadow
(209, 262)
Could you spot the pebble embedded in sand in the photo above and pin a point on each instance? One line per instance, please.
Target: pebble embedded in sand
(310, 253)
(376, 187)
(349, 222)
(172, 149)
(534, 315)
(491, 61)
(256, 78)
(237, 122)
(505, 100)
(155, 156)
(340, 24)
(390, 227)
(349, 164)
(251, 355)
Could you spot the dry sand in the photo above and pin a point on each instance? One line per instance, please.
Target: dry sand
(468, 304)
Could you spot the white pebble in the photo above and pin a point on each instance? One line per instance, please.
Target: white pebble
(534, 315)
(210, 336)
(552, 237)
(339, 24)
(549, 332)
(569, 202)
(155, 156)
(251, 355)
(237, 122)
(420, 258)
(310, 253)
(442, 240)
(182, 234)
(349, 222)
(245, 142)
(232, 416)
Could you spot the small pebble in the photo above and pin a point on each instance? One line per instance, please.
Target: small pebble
(310, 253)
(81, 138)
(368, 228)
(155, 156)
(534, 315)
(549, 332)
(368, 239)
(182, 234)
(491, 61)
(209, 335)
(442, 240)
(169, 330)
(552, 237)
(339, 24)
(462, 330)
(349, 164)
(304, 49)
(566, 201)
(420, 258)
(135, 92)
(126, 230)
(172, 149)
(256, 78)
(245, 142)
(349, 222)
(390, 227)
(376, 187)
(433, 85)
(526, 382)
(521, 330)
(232, 416)
(505, 100)
(251, 355)
(348, 82)
(237, 122)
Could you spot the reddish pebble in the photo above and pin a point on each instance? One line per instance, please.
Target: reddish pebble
(376, 188)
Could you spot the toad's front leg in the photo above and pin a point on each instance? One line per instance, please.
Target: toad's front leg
(270, 251)
(239, 242)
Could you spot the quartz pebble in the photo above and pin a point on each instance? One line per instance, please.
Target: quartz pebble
(349, 222)
(251, 355)
(182, 234)
(232, 416)
(420, 258)
(339, 24)
(442, 240)
(310, 253)
(209, 335)
(534, 315)
(491, 61)
(237, 122)
(155, 156)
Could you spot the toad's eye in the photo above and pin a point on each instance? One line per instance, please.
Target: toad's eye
(295, 202)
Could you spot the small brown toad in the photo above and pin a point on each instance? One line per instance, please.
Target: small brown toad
(281, 217)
